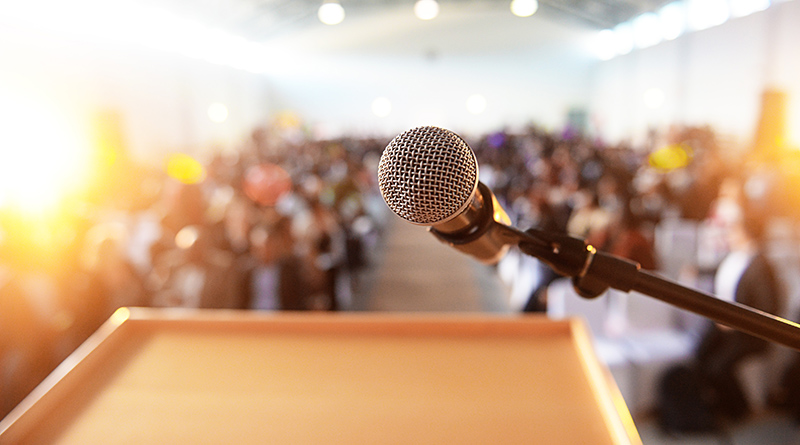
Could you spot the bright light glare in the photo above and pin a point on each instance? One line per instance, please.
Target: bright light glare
(43, 156)
(130, 22)
(623, 38)
(741, 8)
(646, 30)
(331, 13)
(187, 237)
(704, 14)
(381, 107)
(217, 113)
(673, 20)
(670, 22)
(604, 45)
(476, 104)
(524, 8)
(426, 9)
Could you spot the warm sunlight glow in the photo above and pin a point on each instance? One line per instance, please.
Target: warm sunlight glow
(43, 155)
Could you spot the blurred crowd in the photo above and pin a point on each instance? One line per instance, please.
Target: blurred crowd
(290, 223)
(615, 197)
(281, 223)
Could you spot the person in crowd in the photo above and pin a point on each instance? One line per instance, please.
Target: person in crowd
(277, 280)
(627, 239)
(745, 276)
(196, 274)
(29, 330)
(109, 280)
(184, 205)
(589, 220)
(326, 241)
(543, 215)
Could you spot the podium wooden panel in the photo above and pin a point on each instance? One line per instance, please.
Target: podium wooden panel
(167, 376)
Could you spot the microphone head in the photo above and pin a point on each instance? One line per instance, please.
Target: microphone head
(427, 175)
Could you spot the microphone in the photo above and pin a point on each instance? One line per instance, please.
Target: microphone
(428, 176)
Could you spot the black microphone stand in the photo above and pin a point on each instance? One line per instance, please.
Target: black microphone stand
(594, 272)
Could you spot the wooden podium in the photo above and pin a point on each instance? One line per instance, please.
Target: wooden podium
(170, 376)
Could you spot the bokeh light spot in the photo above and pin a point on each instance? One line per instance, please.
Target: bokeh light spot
(266, 183)
(671, 157)
(185, 169)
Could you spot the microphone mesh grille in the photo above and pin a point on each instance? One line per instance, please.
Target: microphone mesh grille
(427, 175)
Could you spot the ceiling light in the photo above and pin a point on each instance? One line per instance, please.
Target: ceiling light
(381, 107)
(476, 104)
(603, 45)
(524, 8)
(673, 20)
(217, 112)
(426, 9)
(741, 8)
(646, 30)
(331, 13)
(703, 14)
(654, 98)
(623, 38)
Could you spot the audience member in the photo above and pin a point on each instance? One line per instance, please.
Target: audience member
(196, 274)
(745, 276)
(589, 220)
(627, 239)
(276, 281)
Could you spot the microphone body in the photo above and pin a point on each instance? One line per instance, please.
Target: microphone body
(474, 231)
(429, 176)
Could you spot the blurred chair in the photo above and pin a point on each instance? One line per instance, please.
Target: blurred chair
(635, 335)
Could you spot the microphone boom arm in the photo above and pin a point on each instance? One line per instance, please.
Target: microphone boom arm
(593, 272)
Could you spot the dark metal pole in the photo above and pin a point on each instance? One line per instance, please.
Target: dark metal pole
(594, 272)
(738, 316)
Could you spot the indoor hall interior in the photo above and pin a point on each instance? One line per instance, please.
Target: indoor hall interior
(225, 155)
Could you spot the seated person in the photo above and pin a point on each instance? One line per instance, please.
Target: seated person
(747, 277)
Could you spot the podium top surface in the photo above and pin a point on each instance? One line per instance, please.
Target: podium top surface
(167, 376)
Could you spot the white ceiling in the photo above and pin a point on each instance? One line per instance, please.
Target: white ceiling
(262, 19)
(389, 27)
